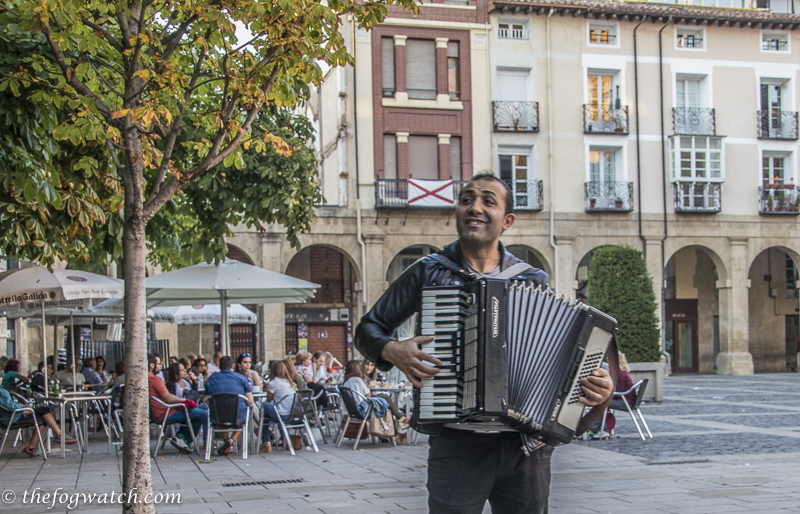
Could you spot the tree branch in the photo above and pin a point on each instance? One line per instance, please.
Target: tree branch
(106, 34)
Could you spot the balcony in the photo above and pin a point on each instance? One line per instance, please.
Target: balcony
(778, 199)
(609, 196)
(777, 125)
(516, 116)
(528, 194)
(597, 120)
(393, 193)
(694, 121)
(697, 197)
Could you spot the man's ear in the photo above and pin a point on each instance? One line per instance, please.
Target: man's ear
(508, 220)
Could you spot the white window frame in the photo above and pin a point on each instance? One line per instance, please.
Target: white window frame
(775, 34)
(695, 31)
(511, 32)
(675, 152)
(789, 171)
(620, 174)
(685, 77)
(528, 152)
(613, 30)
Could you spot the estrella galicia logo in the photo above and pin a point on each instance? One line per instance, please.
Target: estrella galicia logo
(75, 278)
(495, 316)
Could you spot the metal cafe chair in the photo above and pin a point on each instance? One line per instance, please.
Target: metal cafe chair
(21, 423)
(640, 388)
(162, 425)
(225, 409)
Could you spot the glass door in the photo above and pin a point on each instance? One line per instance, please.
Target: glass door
(771, 105)
(680, 344)
(600, 101)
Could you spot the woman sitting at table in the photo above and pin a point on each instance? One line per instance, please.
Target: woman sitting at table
(178, 383)
(303, 366)
(280, 391)
(100, 369)
(354, 379)
(244, 366)
(299, 382)
(200, 369)
(12, 374)
(43, 418)
(119, 373)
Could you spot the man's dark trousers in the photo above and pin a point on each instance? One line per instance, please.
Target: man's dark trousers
(465, 469)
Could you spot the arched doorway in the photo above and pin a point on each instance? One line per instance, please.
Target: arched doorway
(691, 310)
(236, 253)
(324, 323)
(774, 319)
(529, 255)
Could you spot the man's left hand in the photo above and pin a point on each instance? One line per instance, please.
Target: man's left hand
(597, 387)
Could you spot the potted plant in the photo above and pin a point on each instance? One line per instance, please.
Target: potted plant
(796, 204)
(592, 202)
(781, 197)
(770, 203)
(618, 203)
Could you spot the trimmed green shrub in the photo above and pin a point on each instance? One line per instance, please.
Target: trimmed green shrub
(620, 286)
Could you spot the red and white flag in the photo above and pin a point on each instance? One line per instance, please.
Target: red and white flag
(430, 193)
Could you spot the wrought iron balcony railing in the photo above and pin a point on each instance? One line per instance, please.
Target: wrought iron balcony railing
(528, 194)
(697, 196)
(597, 120)
(609, 196)
(391, 193)
(695, 121)
(516, 116)
(778, 199)
(777, 125)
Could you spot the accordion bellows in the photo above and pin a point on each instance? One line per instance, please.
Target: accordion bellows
(512, 354)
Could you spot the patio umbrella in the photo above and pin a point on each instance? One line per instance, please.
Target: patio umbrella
(238, 314)
(229, 281)
(38, 286)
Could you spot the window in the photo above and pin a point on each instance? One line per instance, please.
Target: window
(689, 38)
(600, 34)
(453, 71)
(773, 169)
(775, 42)
(791, 278)
(389, 156)
(603, 165)
(512, 31)
(601, 96)
(687, 92)
(423, 157)
(718, 3)
(387, 66)
(512, 85)
(514, 171)
(421, 69)
(455, 158)
(697, 158)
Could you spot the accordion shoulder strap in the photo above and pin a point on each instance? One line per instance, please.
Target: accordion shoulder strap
(514, 270)
(452, 266)
(595, 414)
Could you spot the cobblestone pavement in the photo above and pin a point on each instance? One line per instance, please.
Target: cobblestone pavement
(722, 444)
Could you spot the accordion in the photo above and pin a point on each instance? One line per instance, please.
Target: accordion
(511, 353)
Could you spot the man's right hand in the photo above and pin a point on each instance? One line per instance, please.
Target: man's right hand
(407, 356)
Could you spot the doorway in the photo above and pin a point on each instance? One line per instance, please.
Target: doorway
(680, 332)
(792, 340)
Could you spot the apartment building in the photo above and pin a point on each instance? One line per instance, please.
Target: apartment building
(671, 128)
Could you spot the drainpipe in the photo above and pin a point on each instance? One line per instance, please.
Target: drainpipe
(663, 175)
(638, 151)
(358, 182)
(552, 239)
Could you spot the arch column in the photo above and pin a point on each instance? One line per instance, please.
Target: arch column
(734, 357)
(376, 278)
(565, 267)
(654, 267)
(272, 320)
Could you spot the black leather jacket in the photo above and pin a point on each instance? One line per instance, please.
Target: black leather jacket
(403, 298)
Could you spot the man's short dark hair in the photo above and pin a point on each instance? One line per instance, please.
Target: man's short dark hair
(152, 358)
(494, 178)
(226, 362)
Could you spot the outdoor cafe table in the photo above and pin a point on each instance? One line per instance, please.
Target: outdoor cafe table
(82, 399)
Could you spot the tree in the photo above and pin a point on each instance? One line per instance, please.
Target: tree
(620, 286)
(135, 75)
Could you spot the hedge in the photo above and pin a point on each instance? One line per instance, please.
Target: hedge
(620, 286)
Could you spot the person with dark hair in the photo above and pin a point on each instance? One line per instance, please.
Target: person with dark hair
(470, 462)
(12, 372)
(119, 373)
(229, 382)
(244, 366)
(321, 374)
(158, 388)
(354, 379)
(37, 382)
(43, 417)
(178, 382)
(101, 369)
(92, 378)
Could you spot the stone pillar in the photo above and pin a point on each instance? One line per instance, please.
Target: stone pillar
(375, 272)
(734, 317)
(444, 156)
(565, 266)
(402, 155)
(653, 261)
(400, 93)
(272, 323)
(441, 69)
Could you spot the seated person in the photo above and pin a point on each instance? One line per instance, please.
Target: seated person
(280, 394)
(119, 373)
(624, 382)
(90, 375)
(228, 382)
(197, 417)
(303, 366)
(299, 382)
(354, 379)
(43, 417)
(321, 374)
(190, 377)
(200, 369)
(66, 379)
(178, 383)
(12, 374)
(37, 381)
(244, 366)
(101, 369)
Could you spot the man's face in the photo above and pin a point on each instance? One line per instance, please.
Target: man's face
(157, 367)
(481, 215)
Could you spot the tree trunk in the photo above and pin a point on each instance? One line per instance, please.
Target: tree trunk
(136, 473)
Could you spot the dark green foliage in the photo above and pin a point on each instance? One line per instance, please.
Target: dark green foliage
(620, 286)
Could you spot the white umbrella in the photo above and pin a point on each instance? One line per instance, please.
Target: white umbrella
(39, 286)
(229, 281)
(238, 314)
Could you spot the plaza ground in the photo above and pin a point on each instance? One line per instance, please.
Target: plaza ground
(722, 444)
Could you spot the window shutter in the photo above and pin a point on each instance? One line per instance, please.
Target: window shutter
(423, 157)
(455, 158)
(389, 156)
(387, 64)
(421, 69)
